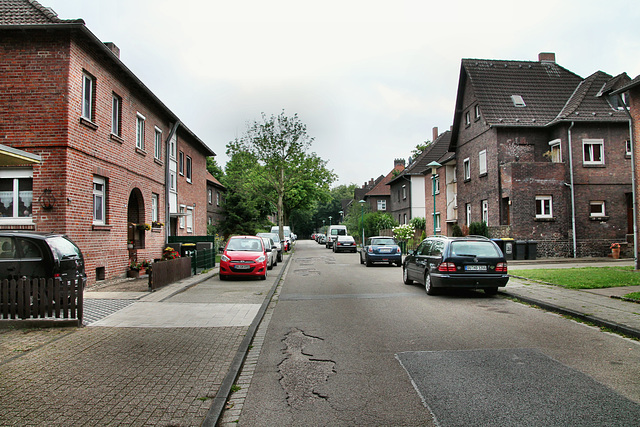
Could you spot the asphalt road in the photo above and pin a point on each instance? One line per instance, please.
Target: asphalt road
(351, 345)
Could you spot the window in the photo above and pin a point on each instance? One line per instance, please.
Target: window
(544, 207)
(157, 149)
(210, 196)
(16, 195)
(182, 217)
(140, 119)
(593, 151)
(217, 198)
(405, 219)
(436, 185)
(154, 207)
(181, 163)
(467, 169)
(555, 152)
(467, 118)
(99, 199)
(468, 212)
(189, 220)
(455, 174)
(485, 211)
(88, 96)
(172, 178)
(188, 171)
(382, 205)
(172, 148)
(437, 219)
(518, 101)
(404, 193)
(477, 111)
(482, 162)
(596, 209)
(116, 115)
(627, 148)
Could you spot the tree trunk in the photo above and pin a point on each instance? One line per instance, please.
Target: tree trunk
(281, 205)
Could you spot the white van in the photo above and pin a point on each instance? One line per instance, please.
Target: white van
(287, 235)
(332, 234)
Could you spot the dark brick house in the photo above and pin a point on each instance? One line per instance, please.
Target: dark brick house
(543, 154)
(379, 197)
(215, 197)
(107, 144)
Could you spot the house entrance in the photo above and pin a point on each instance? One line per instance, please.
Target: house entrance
(135, 219)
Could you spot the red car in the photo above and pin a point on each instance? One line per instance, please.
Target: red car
(244, 256)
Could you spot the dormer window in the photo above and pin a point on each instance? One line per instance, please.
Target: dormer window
(518, 101)
(615, 103)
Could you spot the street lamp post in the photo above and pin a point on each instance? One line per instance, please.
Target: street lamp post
(362, 202)
(330, 220)
(341, 216)
(434, 168)
(323, 230)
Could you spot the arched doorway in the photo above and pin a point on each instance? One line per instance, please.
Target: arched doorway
(135, 219)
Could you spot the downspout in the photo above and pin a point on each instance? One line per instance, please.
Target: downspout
(573, 196)
(633, 185)
(167, 182)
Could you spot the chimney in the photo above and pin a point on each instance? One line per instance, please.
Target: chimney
(397, 162)
(435, 133)
(113, 48)
(547, 57)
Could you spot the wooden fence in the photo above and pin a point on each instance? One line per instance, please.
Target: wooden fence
(169, 271)
(41, 299)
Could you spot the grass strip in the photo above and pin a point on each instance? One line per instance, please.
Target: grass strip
(583, 277)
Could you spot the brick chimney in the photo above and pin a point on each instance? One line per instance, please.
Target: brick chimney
(113, 48)
(547, 57)
(397, 162)
(435, 133)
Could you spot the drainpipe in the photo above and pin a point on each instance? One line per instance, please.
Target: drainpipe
(167, 182)
(573, 196)
(633, 185)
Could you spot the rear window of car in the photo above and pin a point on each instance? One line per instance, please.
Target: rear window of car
(63, 248)
(245, 245)
(470, 248)
(338, 232)
(383, 241)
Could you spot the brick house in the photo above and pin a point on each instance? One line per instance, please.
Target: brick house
(409, 188)
(379, 197)
(215, 197)
(446, 213)
(543, 155)
(107, 145)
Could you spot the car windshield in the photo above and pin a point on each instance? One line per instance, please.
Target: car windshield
(474, 249)
(251, 245)
(388, 241)
(63, 247)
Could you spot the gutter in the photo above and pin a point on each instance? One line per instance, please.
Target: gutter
(633, 185)
(573, 196)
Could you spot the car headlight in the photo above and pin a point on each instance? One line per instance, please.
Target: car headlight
(260, 259)
(225, 258)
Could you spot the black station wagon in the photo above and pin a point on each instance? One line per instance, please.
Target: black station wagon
(473, 262)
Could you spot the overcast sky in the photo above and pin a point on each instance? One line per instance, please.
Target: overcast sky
(369, 78)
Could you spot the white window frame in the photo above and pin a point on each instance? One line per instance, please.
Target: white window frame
(556, 151)
(518, 101)
(546, 206)
(482, 162)
(99, 193)
(182, 217)
(88, 91)
(116, 115)
(217, 198)
(467, 118)
(468, 213)
(601, 204)
(140, 125)
(627, 148)
(485, 211)
(172, 180)
(154, 207)
(591, 143)
(382, 205)
(466, 168)
(210, 196)
(157, 149)
(189, 219)
(404, 193)
(15, 175)
(437, 219)
(188, 169)
(181, 163)
(477, 111)
(435, 186)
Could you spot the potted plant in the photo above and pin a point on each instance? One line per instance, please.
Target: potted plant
(157, 224)
(134, 269)
(130, 244)
(615, 250)
(170, 253)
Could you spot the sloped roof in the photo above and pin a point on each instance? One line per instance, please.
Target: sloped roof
(28, 12)
(433, 152)
(214, 180)
(630, 85)
(381, 188)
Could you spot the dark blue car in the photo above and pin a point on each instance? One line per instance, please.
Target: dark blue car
(381, 249)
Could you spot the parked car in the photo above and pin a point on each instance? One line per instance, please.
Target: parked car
(381, 249)
(276, 241)
(345, 244)
(33, 255)
(244, 256)
(272, 252)
(286, 242)
(332, 234)
(321, 238)
(456, 262)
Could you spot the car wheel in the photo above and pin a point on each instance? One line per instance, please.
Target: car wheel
(491, 291)
(399, 264)
(428, 286)
(361, 260)
(405, 277)
(369, 263)
(264, 276)
(270, 266)
(279, 256)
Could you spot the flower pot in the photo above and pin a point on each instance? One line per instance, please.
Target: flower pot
(130, 246)
(615, 253)
(133, 273)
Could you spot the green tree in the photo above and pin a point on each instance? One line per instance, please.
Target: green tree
(214, 169)
(420, 149)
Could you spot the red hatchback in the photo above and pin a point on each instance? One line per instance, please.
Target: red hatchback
(244, 256)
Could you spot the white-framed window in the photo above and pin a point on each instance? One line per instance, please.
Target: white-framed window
(437, 220)
(181, 163)
(485, 211)
(382, 205)
(116, 115)
(157, 147)
(99, 199)
(544, 207)
(140, 120)
(405, 219)
(189, 219)
(482, 162)
(466, 164)
(188, 169)
(596, 209)
(217, 198)
(172, 180)
(88, 96)
(16, 196)
(627, 148)
(477, 111)
(210, 196)
(404, 194)
(518, 101)
(182, 210)
(154, 207)
(435, 187)
(455, 174)
(555, 151)
(593, 151)
(172, 148)
(467, 118)
(468, 213)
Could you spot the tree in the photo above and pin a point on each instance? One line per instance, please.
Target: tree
(280, 146)
(420, 149)
(214, 169)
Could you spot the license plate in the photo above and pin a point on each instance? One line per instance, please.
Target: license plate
(475, 268)
(384, 250)
(242, 267)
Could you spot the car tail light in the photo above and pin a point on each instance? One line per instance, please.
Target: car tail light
(501, 267)
(370, 250)
(398, 250)
(447, 267)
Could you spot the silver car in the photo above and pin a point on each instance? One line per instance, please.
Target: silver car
(271, 251)
(276, 240)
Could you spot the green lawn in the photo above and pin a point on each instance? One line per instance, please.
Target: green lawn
(633, 295)
(583, 277)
